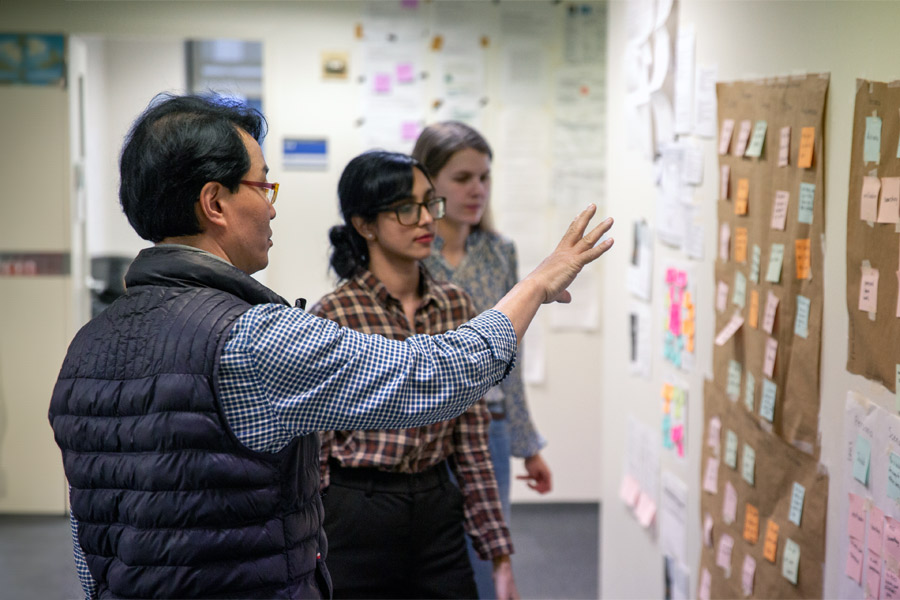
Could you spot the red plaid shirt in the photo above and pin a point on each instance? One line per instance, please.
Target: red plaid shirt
(364, 304)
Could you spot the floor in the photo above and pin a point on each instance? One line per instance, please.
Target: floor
(557, 554)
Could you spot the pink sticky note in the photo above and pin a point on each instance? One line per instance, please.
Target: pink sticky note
(780, 209)
(725, 135)
(747, 574)
(382, 83)
(724, 175)
(873, 575)
(892, 538)
(736, 322)
(629, 491)
(743, 137)
(769, 362)
(729, 504)
(675, 319)
(856, 520)
(723, 557)
(854, 561)
(891, 584)
(711, 478)
(889, 209)
(868, 290)
(868, 205)
(708, 530)
(713, 436)
(769, 315)
(876, 530)
(721, 296)
(784, 146)
(705, 584)
(405, 72)
(724, 242)
(670, 276)
(409, 130)
(678, 438)
(645, 510)
(681, 279)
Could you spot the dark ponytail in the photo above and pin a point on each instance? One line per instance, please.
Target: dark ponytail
(349, 251)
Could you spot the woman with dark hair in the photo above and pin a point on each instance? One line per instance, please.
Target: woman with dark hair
(468, 252)
(395, 522)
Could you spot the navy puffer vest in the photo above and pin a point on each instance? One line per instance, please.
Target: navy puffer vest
(169, 503)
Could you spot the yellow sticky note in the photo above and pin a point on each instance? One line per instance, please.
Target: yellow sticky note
(770, 549)
(751, 524)
(807, 143)
(740, 244)
(802, 258)
(753, 316)
(742, 198)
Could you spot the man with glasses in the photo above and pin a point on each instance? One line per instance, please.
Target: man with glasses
(186, 413)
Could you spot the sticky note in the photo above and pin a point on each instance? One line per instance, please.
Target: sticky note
(405, 72)
(382, 83)
(873, 575)
(711, 478)
(805, 202)
(796, 510)
(731, 449)
(729, 504)
(892, 538)
(868, 204)
(723, 557)
(801, 318)
(721, 296)
(802, 258)
(756, 256)
(724, 175)
(748, 464)
(872, 143)
(893, 478)
(724, 242)
(409, 130)
(742, 196)
(790, 561)
(740, 146)
(776, 257)
(757, 139)
(736, 322)
(739, 297)
(713, 434)
(751, 523)
(868, 290)
(733, 386)
(708, 530)
(861, 457)
(769, 356)
(856, 517)
(807, 143)
(854, 561)
(753, 313)
(740, 244)
(784, 146)
(645, 511)
(705, 584)
(770, 546)
(889, 209)
(747, 572)
(749, 391)
(779, 209)
(891, 582)
(767, 403)
(771, 309)
(725, 135)
(629, 491)
(876, 530)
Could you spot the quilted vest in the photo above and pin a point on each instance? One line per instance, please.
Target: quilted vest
(169, 503)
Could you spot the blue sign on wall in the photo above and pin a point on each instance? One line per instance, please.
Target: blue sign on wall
(305, 153)
(32, 59)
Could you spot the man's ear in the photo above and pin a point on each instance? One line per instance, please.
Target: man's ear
(363, 227)
(210, 208)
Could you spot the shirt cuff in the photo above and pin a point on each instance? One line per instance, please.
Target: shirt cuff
(497, 330)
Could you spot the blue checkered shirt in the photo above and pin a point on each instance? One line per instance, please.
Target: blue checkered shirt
(285, 373)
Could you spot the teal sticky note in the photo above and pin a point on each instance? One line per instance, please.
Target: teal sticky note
(731, 448)
(796, 511)
(767, 404)
(861, 455)
(872, 145)
(757, 139)
(790, 562)
(776, 257)
(739, 295)
(754, 263)
(749, 391)
(748, 464)
(893, 480)
(733, 387)
(801, 319)
(805, 204)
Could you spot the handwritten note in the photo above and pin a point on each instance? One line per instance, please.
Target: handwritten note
(872, 143)
(784, 146)
(802, 258)
(876, 530)
(856, 517)
(770, 546)
(767, 403)
(748, 464)
(757, 139)
(891, 584)
(724, 175)
(751, 523)
(729, 504)
(725, 135)
(893, 478)
(742, 197)
(889, 209)
(790, 561)
(749, 391)
(769, 315)
(711, 478)
(854, 561)
(805, 202)
(721, 296)
(724, 242)
(807, 143)
(892, 538)
(868, 290)
(723, 557)
(736, 322)
(861, 455)
(868, 204)
(776, 257)
(739, 297)
(747, 572)
(769, 357)
(733, 387)
(756, 257)
(740, 244)
(713, 434)
(753, 313)
(801, 319)
(731, 449)
(873, 575)
(740, 146)
(796, 510)
(779, 209)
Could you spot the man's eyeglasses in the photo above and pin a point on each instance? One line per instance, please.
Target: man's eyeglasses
(410, 213)
(271, 189)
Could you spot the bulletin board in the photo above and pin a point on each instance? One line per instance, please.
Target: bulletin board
(760, 454)
(873, 242)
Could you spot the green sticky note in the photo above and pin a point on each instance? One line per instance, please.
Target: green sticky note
(801, 319)
(776, 257)
(754, 263)
(796, 512)
(731, 447)
(733, 388)
(757, 139)
(790, 563)
(861, 455)
(767, 404)
(805, 204)
(739, 295)
(872, 145)
(893, 486)
(748, 464)
(749, 391)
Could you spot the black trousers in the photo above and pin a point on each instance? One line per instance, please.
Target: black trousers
(393, 535)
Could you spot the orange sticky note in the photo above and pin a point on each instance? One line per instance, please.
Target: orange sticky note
(802, 258)
(753, 317)
(740, 244)
(807, 143)
(751, 524)
(485, 41)
(770, 549)
(742, 198)
(359, 31)
(437, 42)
